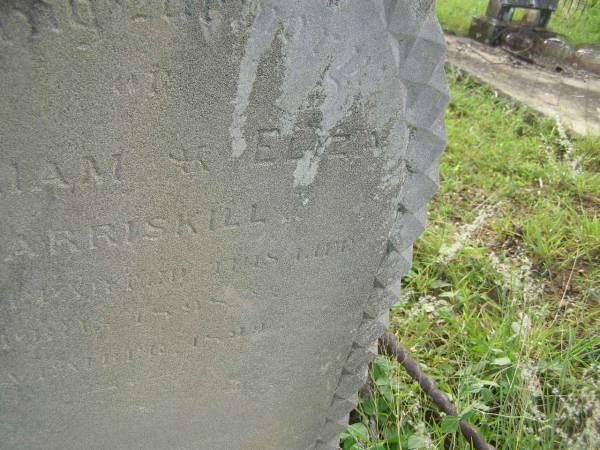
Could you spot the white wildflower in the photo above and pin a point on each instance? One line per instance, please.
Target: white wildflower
(465, 232)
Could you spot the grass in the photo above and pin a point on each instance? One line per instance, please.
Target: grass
(501, 306)
(579, 27)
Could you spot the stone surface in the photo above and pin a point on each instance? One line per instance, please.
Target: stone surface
(571, 96)
(587, 57)
(206, 207)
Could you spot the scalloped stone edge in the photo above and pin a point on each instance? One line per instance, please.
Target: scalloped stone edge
(421, 72)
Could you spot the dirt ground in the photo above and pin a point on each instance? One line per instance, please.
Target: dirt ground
(571, 95)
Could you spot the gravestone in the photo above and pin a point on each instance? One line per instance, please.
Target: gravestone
(206, 208)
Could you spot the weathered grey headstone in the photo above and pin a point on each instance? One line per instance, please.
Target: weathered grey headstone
(205, 210)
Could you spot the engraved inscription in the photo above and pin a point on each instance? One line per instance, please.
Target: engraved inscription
(143, 317)
(35, 19)
(272, 146)
(110, 173)
(248, 262)
(242, 263)
(98, 290)
(239, 311)
(154, 279)
(189, 160)
(57, 292)
(77, 365)
(324, 249)
(59, 242)
(51, 331)
(17, 177)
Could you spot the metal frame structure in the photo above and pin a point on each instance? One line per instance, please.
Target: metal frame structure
(499, 17)
(503, 10)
